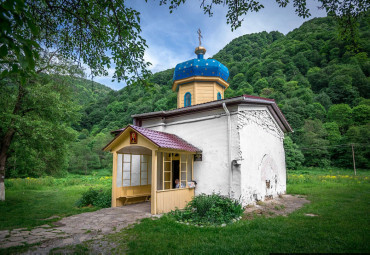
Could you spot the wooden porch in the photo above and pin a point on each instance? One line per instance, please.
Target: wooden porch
(143, 170)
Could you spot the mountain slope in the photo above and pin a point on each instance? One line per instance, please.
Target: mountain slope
(310, 72)
(87, 91)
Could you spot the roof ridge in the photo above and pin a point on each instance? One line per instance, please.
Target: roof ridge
(258, 97)
(151, 130)
(142, 131)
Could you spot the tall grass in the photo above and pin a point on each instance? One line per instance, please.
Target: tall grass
(328, 178)
(46, 182)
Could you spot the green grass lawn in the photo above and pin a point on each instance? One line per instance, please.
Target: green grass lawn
(342, 204)
(340, 200)
(30, 201)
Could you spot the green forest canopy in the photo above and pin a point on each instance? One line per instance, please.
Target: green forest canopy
(321, 86)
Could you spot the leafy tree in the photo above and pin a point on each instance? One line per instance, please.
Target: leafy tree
(79, 29)
(304, 94)
(324, 100)
(293, 155)
(260, 84)
(333, 134)
(238, 57)
(341, 90)
(256, 77)
(361, 114)
(246, 89)
(342, 115)
(317, 78)
(359, 136)
(295, 111)
(233, 71)
(317, 111)
(278, 83)
(100, 140)
(267, 92)
(315, 145)
(359, 81)
(237, 81)
(301, 62)
(81, 157)
(289, 87)
(338, 150)
(36, 119)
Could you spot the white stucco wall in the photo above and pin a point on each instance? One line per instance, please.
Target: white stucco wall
(256, 145)
(263, 171)
(209, 135)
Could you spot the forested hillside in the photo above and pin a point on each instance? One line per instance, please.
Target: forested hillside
(86, 92)
(51, 110)
(320, 84)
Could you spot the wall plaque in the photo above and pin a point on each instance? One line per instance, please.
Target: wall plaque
(198, 157)
(133, 137)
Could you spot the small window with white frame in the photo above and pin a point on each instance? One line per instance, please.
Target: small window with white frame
(177, 170)
(133, 170)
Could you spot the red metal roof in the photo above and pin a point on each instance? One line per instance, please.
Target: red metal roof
(161, 139)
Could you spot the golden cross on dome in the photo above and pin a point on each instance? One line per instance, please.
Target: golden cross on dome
(200, 36)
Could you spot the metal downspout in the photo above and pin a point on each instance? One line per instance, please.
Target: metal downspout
(228, 146)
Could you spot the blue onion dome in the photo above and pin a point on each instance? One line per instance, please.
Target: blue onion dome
(200, 67)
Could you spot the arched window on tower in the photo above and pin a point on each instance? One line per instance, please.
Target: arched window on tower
(219, 97)
(187, 99)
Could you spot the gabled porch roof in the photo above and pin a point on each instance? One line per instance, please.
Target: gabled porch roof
(161, 139)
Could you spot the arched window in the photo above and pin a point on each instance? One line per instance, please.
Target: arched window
(219, 97)
(187, 99)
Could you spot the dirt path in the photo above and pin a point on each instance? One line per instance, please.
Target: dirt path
(283, 205)
(75, 229)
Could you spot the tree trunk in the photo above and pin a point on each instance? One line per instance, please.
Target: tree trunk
(5, 144)
(6, 140)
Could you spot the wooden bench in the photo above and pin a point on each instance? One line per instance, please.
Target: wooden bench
(135, 198)
(132, 194)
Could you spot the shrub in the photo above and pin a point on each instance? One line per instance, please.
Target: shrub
(104, 199)
(98, 198)
(209, 210)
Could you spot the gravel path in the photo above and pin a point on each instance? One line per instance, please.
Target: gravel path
(75, 229)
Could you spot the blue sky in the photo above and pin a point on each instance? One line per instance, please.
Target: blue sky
(172, 38)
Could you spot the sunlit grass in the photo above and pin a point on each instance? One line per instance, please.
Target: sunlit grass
(29, 201)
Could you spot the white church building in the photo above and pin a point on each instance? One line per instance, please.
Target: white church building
(207, 145)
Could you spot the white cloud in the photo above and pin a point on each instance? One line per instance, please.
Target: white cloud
(172, 37)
